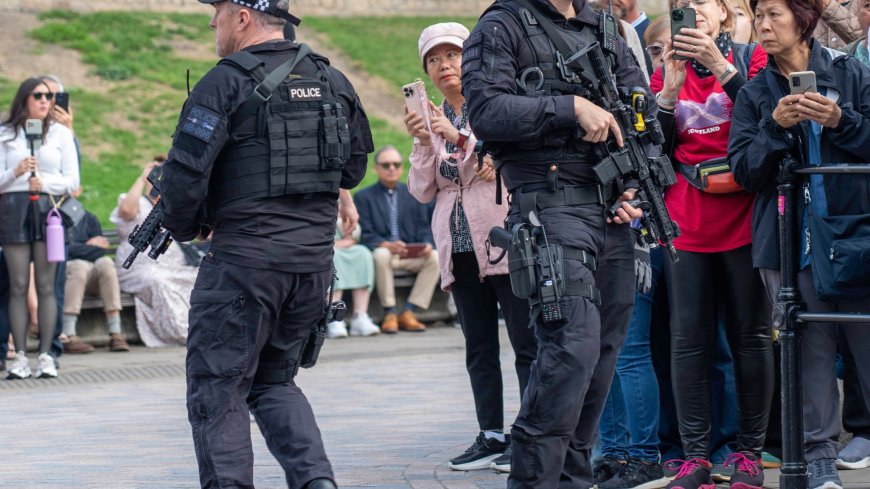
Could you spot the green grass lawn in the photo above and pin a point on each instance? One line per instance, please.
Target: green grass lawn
(144, 54)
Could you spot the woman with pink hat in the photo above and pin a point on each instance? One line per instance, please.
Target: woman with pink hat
(445, 167)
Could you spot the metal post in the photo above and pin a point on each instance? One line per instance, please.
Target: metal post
(793, 474)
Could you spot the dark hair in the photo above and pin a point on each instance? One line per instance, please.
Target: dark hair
(806, 15)
(18, 111)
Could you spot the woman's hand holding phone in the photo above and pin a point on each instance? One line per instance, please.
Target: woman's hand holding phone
(441, 125)
(675, 74)
(415, 124)
(694, 44)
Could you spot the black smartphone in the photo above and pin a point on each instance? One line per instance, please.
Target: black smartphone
(61, 99)
(681, 18)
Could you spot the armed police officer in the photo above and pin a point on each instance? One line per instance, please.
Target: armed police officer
(533, 72)
(261, 168)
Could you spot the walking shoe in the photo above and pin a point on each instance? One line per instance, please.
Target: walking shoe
(74, 344)
(480, 454)
(408, 322)
(503, 462)
(721, 472)
(748, 472)
(770, 461)
(362, 325)
(823, 474)
(856, 455)
(694, 474)
(637, 474)
(336, 329)
(118, 343)
(608, 468)
(390, 324)
(19, 368)
(45, 368)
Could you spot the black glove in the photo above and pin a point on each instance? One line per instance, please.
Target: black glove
(642, 267)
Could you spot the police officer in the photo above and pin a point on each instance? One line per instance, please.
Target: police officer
(263, 171)
(546, 137)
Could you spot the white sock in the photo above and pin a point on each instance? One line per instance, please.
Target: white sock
(498, 435)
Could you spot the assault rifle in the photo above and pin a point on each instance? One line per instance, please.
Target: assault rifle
(589, 68)
(151, 232)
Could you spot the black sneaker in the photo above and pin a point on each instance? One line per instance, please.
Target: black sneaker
(480, 454)
(503, 462)
(607, 469)
(748, 472)
(693, 474)
(637, 474)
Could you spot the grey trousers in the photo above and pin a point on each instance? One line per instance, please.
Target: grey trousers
(821, 398)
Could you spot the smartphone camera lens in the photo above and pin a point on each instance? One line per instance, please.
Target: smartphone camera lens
(796, 81)
(677, 15)
(408, 92)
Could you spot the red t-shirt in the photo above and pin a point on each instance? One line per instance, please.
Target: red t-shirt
(709, 223)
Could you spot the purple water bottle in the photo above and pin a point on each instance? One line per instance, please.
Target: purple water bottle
(54, 237)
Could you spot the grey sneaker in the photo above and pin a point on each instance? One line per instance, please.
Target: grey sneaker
(823, 474)
(19, 368)
(856, 455)
(45, 366)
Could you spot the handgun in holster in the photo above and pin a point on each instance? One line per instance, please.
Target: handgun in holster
(334, 312)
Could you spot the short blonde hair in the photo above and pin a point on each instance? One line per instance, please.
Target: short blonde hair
(747, 10)
(657, 28)
(727, 24)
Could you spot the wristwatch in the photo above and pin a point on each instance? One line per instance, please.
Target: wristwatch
(729, 68)
(464, 133)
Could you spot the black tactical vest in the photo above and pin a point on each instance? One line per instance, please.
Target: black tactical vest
(539, 76)
(301, 144)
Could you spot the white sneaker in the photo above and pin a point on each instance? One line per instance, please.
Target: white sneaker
(336, 329)
(45, 366)
(362, 325)
(19, 368)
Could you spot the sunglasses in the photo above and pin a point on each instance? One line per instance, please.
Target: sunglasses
(654, 50)
(38, 95)
(386, 165)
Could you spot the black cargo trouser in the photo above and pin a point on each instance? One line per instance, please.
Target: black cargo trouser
(568, 352)
(242, 319)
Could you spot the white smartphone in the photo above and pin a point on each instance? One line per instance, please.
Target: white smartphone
(416, 100)
(33, 132)
(802, 82)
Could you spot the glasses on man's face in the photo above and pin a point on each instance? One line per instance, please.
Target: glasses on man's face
(387, 164)
(689, 3)
(654, 50)
(38, 96)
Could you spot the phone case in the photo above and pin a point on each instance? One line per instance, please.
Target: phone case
(802, 82)
(680, 18)
(416, 100)
(62, 100)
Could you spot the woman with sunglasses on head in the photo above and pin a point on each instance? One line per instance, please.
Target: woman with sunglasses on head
(50, 173)
(714, 272)
(828, 125)
(445, 167)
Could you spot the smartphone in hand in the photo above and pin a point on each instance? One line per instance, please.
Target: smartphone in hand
(414, 250)
(61, 99)
(416, 100)
(681, 18)
(802, 82)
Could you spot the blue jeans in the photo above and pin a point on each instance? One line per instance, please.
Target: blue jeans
(631, 414)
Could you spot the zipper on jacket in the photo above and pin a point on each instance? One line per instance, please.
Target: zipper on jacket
(807, 201)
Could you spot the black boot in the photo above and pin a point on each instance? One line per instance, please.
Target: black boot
(321, 484)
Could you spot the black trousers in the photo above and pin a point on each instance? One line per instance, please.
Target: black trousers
(561, 375)
(697, 285)
(477, 301)
(242, 319)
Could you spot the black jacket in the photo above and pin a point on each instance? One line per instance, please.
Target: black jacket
(494, 54)
(89, 227)
(415, 219)
(289, 234)
(758, 144)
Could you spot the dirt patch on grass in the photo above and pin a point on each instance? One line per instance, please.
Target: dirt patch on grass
(22, 57)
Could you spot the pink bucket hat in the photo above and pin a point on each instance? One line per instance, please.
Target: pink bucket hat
(445, 33)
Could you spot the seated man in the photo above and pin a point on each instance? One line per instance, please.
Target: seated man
(397, 229)
(89, 270)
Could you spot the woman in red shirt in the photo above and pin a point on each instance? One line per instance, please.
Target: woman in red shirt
(715, 271)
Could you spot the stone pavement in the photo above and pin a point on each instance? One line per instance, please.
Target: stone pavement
(392, 409)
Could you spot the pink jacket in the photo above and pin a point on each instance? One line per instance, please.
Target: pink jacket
(477, 197)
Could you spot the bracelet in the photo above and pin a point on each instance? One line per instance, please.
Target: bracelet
(665, 101)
